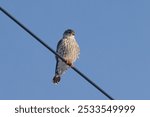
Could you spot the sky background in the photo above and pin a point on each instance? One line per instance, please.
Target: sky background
(114, 38)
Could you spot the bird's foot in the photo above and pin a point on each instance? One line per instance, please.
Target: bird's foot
(69, 62)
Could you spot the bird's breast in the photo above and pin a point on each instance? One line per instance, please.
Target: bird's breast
(71, 49)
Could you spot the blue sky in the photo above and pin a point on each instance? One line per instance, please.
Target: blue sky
(115, 49)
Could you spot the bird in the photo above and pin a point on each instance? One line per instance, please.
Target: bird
(69, 50)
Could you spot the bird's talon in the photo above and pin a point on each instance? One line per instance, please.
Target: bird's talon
(69, 63)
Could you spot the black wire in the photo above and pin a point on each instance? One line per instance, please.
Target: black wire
(49, 48)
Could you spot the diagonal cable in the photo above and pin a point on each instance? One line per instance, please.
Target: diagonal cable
(50, 49)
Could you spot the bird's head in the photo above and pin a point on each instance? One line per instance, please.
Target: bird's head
(69, 32)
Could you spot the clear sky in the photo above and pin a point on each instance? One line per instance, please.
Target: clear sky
(114, 37)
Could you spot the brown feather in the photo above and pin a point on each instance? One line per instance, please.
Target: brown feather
(56, 79)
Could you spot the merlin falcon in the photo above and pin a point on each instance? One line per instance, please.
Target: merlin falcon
(68, 49)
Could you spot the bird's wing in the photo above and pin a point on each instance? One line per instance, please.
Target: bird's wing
(59, 44)
(57, 50)
(60, 65)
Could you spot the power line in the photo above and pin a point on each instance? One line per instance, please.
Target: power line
(49, 48)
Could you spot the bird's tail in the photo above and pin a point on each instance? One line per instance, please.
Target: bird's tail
(56, 79)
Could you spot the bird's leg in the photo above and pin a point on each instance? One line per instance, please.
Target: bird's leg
(69, 62)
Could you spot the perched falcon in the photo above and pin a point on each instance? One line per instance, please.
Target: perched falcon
(68, 49)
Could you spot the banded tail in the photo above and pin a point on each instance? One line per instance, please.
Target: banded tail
(56, 79)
